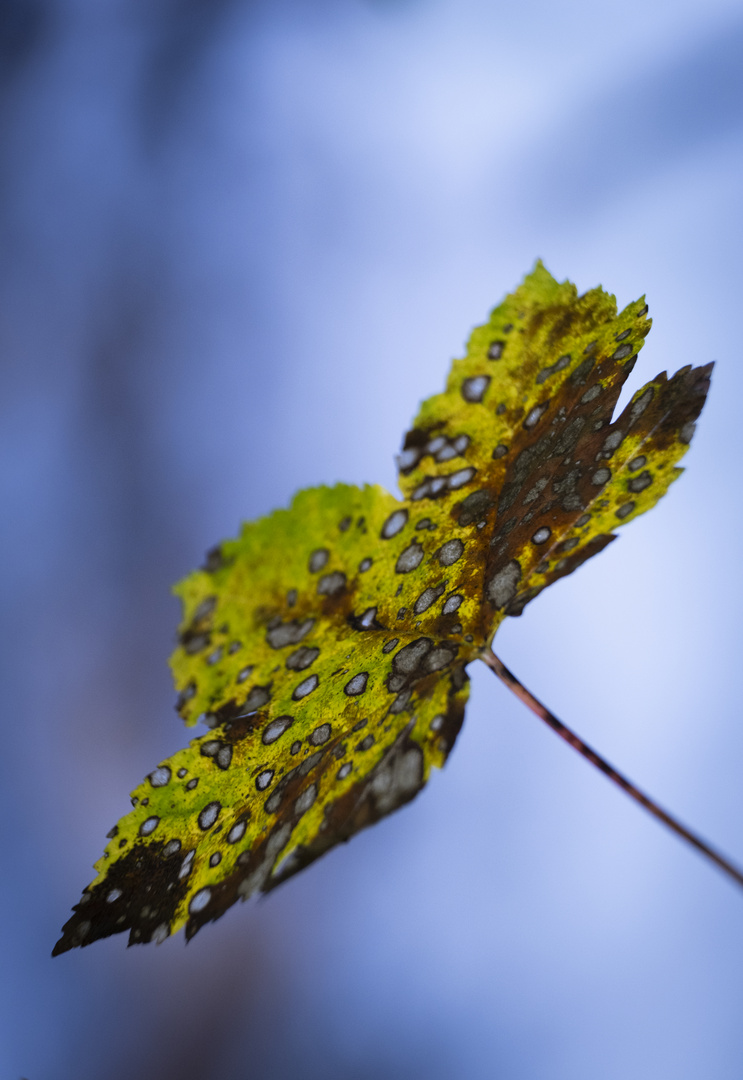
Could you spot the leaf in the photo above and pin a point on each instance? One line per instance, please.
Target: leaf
(326, 646)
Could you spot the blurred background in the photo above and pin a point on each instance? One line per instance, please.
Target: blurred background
(240, 240)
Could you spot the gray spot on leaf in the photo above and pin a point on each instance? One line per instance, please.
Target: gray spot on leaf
(410, 559)
(439, 658)
(427, 597)
(639, 406)
(209, 815)
(473, 389)
(320, 735)
(318, 559)
(147, 827)
(305, 687)
(160, 776)
(200, 900)
(503, 585)
(475, 506)
(535, 415)
(290, 633)
(236, 832)
(263, 779)
(460, 478)
(450, 552)
(256, 699)
(276, 729)
(303, 658)
(591, 394)
(639, 483)
(332, 584)
(306, 799)
(612, 442)
(394, 524)
(357, 685)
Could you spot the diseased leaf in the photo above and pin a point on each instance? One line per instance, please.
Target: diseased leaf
(326, 646)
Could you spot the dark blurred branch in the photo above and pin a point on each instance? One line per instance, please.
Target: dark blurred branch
(513, 684)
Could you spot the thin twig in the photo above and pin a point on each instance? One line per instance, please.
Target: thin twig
(513, 684)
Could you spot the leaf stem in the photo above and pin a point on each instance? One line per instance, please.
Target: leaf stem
(513, 684)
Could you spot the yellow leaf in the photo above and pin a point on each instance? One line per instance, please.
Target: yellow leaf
(326, 646)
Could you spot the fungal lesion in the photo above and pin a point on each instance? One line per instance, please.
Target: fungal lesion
(302, 658)
(473, 388)
(217, 751)
(258, 698)
(276, 728)
(318, 560)
(332, 584)
(392, 777)
(185, 695)
(366, 621)
(638, 483)
(279, 633)
(305, 687)
(123, 899)
(357, 685)
(197, 635)
(410, 558)
(415, 662)
(561, 364)
(211, 867)
(440, 447)
(394, 523)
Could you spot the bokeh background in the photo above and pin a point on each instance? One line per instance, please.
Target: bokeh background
(240, 241)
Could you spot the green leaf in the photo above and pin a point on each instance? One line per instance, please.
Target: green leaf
(326, 646)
